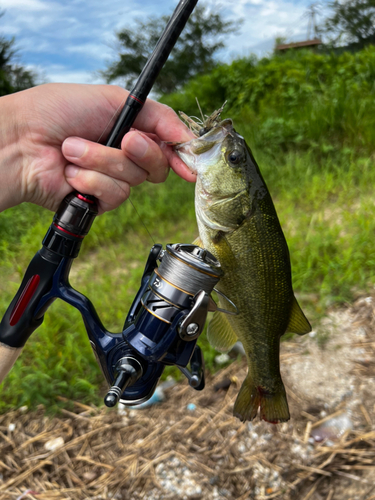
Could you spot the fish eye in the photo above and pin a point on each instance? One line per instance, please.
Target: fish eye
(235, 156)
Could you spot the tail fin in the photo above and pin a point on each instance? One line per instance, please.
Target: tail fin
(273, 407)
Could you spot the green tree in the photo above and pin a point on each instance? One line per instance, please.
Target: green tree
(194, 52)
(352, 21)
(13, 76)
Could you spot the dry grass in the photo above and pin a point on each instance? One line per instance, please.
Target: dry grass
(167, 451)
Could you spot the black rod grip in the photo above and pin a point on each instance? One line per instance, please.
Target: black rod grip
(19, 321)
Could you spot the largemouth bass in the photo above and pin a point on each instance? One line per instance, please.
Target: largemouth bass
(238, 224)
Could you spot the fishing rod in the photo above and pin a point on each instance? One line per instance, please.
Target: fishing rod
(170, 308)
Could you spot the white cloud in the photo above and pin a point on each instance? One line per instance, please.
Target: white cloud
(70, 39)
(61, 75)
(94, 50)
(35, 5)
(264, 22)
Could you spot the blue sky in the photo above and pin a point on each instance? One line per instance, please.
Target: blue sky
(71, 40)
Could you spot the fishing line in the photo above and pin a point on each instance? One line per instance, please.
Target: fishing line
(140, 218)
(116, 112)
(173, 270)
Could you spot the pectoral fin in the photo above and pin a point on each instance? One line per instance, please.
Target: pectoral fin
(220, 334)
(298, 323)
(198, 242)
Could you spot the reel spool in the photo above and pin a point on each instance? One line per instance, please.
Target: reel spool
(185, 271)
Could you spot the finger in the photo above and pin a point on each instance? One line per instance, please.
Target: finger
(109, 161)
(178, 166)
(147, 154)
(161, 120)
(109, 191)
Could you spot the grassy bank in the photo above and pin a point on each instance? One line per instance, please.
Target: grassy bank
(328, 215)
(310, 122)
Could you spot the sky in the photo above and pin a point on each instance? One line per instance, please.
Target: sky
(72, 40)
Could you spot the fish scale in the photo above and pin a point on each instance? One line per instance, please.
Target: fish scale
(238, 224)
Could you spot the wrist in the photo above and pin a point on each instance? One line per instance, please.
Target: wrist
(10, 153)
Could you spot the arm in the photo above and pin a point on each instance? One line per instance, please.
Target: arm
(8, 356)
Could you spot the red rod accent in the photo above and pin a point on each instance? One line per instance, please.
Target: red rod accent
(136, 99)
(84, 199)
(68, 232)
(24, 299)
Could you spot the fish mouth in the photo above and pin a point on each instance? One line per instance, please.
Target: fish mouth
(190, 152)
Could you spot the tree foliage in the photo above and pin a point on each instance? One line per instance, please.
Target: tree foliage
(194, 52)
(351, 21)
(302, 100)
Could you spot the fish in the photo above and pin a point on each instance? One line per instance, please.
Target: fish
(238, 224)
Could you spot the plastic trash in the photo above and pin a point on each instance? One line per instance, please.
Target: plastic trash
(157, 397)
(333, 428)
(222, 359)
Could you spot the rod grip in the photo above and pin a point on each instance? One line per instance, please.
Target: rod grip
(19, 321)
(8, 356)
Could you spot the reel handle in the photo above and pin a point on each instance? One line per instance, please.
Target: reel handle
(127, 371)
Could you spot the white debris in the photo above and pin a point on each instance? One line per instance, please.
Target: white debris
(222, 359)
(54, 444)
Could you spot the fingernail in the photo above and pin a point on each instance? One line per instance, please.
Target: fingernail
(137, 146)
(71, 171)
(74, 147)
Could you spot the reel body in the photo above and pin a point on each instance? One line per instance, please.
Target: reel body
(168, 315)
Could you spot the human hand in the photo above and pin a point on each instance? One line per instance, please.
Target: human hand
(48, 145)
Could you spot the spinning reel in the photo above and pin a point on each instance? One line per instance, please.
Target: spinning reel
(164, 322)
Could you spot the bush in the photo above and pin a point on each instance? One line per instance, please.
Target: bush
(294, 101)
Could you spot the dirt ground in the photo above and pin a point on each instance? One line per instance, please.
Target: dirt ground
(190, 447)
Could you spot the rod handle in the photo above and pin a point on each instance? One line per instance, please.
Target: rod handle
(19, 320)
(8, 356)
